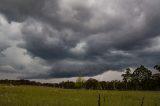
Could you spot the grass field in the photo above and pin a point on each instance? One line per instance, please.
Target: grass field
(44, 96)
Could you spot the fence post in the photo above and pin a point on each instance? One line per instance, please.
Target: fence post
(142, 101)
(99, 100)
(104, 100)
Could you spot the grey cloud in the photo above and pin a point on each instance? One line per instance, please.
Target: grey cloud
(7, 69)
(48, 11)
(3, 47)
(48, 43)
(19, 10)
(102, 35)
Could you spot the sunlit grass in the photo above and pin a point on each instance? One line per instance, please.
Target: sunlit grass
(44, 96)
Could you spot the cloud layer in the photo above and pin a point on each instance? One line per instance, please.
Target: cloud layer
(67, 38)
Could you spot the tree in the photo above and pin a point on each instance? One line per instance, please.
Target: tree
(157, 67)
(103, 85)
(92, 84)
(141, 76)
(79, 82)
(156, 77)
(127, 76)
(67, 85)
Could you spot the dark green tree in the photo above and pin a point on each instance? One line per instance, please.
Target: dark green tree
(141, 76)
(92, 84)
(103, 85)
(156, 78)
(157, 67)
(79, 82)
(127, 77)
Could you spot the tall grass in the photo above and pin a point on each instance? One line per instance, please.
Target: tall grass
(43, 96)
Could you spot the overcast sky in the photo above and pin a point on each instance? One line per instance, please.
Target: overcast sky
(49, 39)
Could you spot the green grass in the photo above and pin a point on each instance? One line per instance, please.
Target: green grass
(44, 96)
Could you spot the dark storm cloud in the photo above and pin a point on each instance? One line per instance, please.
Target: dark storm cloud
(19, 10)
(87, 38)
(61, 70)
(48, 11)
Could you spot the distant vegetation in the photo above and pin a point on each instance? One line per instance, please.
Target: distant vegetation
(140, 79)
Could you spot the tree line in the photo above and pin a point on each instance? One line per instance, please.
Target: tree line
(140, 79)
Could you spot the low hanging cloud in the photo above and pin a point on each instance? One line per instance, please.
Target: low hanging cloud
(68, 38)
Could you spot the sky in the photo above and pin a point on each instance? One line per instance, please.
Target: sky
(62, 39)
